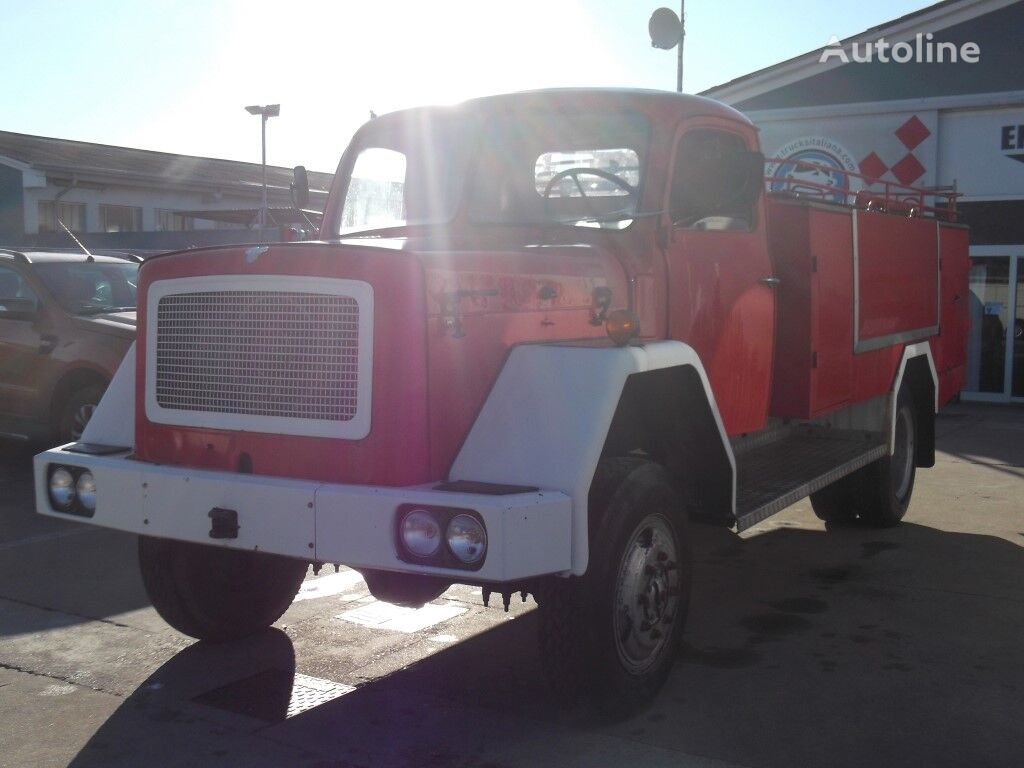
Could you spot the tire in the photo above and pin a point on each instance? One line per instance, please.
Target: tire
(879, 494)
(611, 636)
(214, 593)
(888, 484)
(837, 503)
(76, 412)
(408, 591)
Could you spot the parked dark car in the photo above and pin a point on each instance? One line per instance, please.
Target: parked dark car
(66, 321)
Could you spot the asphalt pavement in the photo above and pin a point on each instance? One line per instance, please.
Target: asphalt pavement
(804, 647)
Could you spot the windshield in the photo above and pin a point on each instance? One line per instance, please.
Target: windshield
(412, 176)
(534, 167)
(91, 287)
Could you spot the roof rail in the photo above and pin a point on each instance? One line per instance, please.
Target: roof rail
(18, 255)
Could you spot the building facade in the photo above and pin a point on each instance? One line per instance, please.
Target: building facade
(942, 106)
(117, 197)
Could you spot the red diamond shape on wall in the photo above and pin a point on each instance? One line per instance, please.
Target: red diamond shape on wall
(873, 167)
(912, 133)
(908, 170)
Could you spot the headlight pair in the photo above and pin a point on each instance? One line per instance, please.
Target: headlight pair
(72, 490)
(449, 538)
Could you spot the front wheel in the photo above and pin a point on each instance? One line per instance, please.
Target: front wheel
(612, 635)
(214, 593)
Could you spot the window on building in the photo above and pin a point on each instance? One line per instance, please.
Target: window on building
(120, 218)
(169, 221)
(72, 214)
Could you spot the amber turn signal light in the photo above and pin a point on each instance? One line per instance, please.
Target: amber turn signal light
(622, 326)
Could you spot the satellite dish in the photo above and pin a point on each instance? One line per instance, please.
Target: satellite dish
(666, 29)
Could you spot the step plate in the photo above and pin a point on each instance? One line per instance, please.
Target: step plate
(772, 477)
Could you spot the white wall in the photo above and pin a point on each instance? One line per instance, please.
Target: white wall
(971, 153)
(148, 198)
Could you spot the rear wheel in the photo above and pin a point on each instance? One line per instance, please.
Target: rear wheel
(214, 593)
(612, 635)
(836, 503)
(889, 483)
(879, 494)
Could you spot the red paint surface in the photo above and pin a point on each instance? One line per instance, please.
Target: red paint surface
(700, 287)
(813, 253)
(396, 452)
(951, 349)
(898, 274)
(718, 305)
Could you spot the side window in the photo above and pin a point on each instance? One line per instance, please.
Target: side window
(16, 298)
(715, 182)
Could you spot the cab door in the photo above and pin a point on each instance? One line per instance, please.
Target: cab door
(720, 278)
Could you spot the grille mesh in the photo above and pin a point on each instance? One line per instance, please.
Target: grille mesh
(266, 353)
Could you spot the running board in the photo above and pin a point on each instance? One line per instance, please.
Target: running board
(773, 475)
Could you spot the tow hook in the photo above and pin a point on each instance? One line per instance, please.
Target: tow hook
(225, 523)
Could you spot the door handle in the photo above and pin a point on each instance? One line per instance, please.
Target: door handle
(47, 343)
(771, 281)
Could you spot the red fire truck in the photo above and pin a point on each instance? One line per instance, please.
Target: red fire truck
(539, 333)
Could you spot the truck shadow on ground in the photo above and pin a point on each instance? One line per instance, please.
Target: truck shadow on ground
(845, 648)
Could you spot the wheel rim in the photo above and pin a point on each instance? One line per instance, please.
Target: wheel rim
(646, 594)
(80, 418)
(903, 456)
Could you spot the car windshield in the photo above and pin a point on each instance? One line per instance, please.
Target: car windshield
(535, 167)
(91, 287)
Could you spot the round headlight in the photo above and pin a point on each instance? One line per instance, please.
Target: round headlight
(421, 533)
(467, 538)
(62, 488)
(86, 490)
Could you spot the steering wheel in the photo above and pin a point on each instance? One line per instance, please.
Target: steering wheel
(575, 173)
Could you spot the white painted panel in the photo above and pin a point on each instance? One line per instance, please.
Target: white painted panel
(971, 152)
(113, 421)
(546, 419)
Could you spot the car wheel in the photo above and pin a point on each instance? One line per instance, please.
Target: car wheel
(76, 412)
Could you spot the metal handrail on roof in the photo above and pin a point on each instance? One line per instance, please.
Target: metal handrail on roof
(876, 194)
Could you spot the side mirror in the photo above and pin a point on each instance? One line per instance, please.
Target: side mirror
(300, 188)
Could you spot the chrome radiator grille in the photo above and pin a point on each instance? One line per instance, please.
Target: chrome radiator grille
(261, 353)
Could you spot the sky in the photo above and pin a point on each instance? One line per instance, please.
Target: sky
(175, 75)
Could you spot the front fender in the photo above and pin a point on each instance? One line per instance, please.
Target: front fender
(545, 421)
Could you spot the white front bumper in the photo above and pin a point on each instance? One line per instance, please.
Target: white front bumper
(529, 534)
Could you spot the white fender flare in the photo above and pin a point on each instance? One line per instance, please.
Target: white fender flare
(911, 351)
(545, 420)
(113, 421)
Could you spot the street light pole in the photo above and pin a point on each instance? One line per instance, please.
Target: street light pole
(682, 37)
(265, 112)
